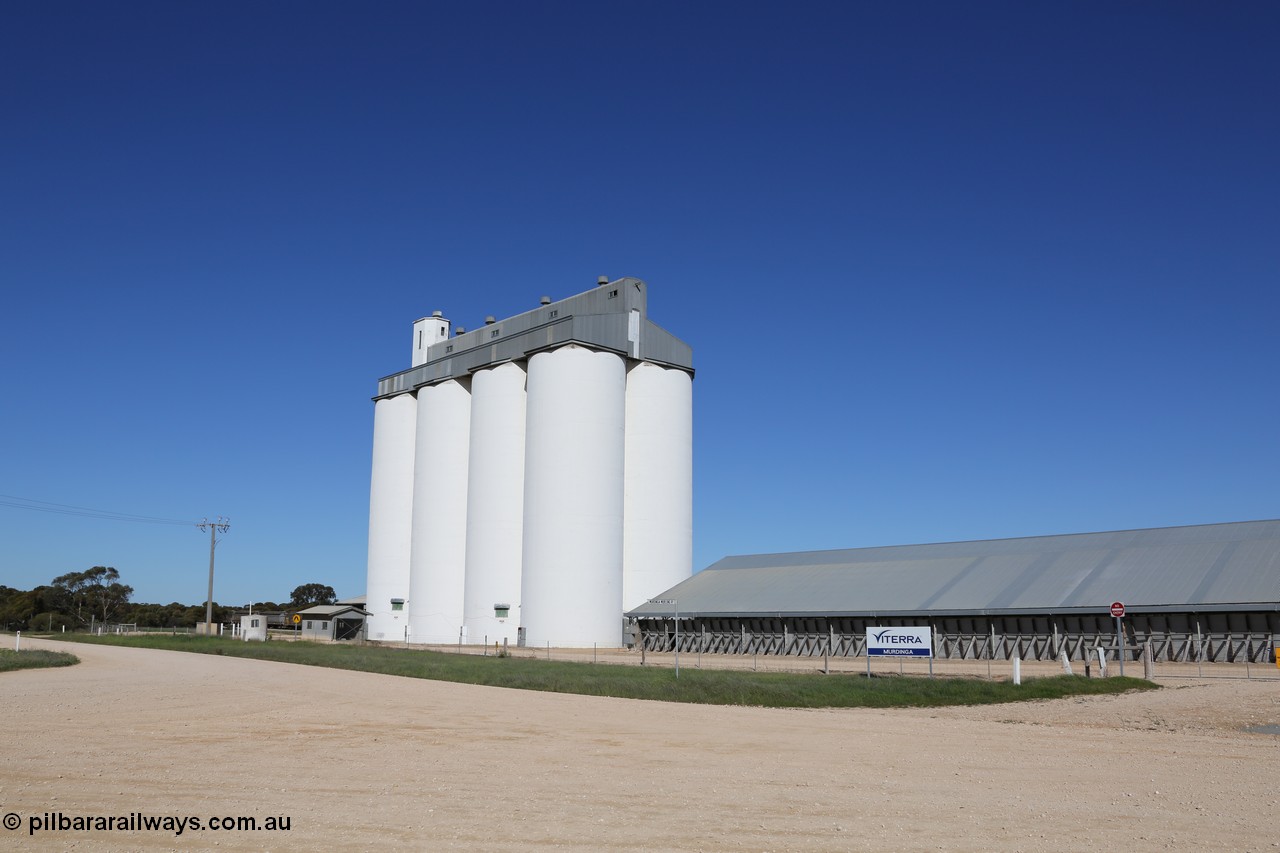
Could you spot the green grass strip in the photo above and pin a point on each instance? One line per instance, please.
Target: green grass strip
(703, 686)
(34, 659)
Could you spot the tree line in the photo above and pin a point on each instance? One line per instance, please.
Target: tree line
(78, 600)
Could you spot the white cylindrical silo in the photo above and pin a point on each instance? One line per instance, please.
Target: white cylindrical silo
(495, 504)
(658, 510)
(390, 517)
(571, 589)
(438, 560)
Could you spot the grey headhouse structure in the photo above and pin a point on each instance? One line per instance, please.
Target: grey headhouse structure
(1207, 592)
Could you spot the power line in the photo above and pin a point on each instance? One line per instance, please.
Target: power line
(87, 512)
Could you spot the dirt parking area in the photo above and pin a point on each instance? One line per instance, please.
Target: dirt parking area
(370, 762)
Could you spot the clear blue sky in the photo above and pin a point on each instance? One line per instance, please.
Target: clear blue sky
(949, 270)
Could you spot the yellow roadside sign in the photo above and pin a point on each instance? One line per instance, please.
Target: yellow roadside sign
(296, 618)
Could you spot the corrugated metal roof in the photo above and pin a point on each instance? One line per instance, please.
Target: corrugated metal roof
(1202, 567)
(330, 610)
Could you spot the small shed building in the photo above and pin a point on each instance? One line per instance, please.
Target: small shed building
(253, 627)
(332, 622)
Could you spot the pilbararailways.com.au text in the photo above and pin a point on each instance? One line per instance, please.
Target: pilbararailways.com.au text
(139, 822)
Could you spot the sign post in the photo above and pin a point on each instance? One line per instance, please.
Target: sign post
(1117, 610)
(900, 641)
(676, 610)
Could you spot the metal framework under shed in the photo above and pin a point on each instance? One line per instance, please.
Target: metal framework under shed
(1180, 637)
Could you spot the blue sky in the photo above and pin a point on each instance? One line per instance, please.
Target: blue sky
(950, 271)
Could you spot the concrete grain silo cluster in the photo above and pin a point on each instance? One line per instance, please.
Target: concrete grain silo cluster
(532, 478)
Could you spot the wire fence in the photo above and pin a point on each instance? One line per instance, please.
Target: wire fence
(1203, 661)
(993, 669)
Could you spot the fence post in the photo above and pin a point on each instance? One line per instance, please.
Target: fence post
(1199, 651)
(991, 650)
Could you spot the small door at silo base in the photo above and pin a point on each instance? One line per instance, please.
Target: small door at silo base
(254, 627)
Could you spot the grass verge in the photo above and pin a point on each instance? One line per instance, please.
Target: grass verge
(704, 686)
(34, 659)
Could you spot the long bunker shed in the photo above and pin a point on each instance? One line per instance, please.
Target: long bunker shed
(1201, 593)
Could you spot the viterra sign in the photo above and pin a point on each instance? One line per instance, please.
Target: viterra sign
(900, 640)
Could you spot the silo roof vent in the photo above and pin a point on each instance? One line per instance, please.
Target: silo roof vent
(546, 300)
(489, 321)
(459, 330)
(601, 281)
(437, 313)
